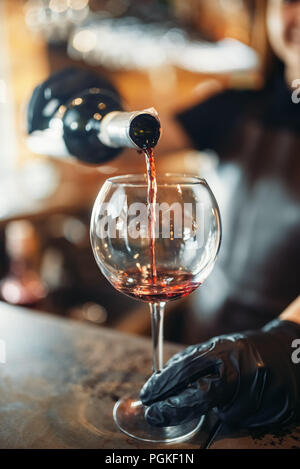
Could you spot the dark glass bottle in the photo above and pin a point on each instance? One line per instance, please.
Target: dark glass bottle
(87, 123)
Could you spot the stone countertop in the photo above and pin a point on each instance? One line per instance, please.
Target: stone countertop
(61, 379)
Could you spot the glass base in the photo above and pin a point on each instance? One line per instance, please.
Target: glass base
(129, 416)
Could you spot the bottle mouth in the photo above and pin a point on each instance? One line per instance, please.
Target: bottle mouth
(144, 130)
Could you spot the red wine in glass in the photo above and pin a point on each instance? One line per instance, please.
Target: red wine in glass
(160, 286)
(168, 285)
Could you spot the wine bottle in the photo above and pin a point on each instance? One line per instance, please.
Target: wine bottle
(88, 123)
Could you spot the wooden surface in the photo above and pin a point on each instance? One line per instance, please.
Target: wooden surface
(61, 380)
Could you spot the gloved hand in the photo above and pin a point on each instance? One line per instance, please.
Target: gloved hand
(249, 379)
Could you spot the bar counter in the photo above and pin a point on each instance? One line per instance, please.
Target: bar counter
(61, 378)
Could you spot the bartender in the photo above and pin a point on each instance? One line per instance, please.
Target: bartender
(249, 378)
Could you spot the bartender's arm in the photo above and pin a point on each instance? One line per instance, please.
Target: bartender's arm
(250, 379)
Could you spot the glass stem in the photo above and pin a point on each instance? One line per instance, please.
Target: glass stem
(157, 315)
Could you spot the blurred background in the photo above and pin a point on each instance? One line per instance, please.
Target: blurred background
(156, 53)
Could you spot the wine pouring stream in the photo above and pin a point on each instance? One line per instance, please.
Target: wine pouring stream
(157, 309)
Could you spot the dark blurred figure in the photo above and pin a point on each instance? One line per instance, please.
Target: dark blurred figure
(256, 136)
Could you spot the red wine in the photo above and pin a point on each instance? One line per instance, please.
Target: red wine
(168, 285)
(151, 201)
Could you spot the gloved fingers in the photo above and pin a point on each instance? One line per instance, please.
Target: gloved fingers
(180, 355)
(191, 350)
(182, 408)
(179, 373)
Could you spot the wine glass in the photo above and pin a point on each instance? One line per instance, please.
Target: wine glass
(156, 264)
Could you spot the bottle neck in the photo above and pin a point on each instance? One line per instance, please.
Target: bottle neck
(138, 129)
(117, 129)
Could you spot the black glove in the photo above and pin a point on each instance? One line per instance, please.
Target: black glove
(249, 379)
